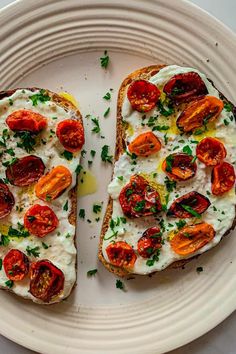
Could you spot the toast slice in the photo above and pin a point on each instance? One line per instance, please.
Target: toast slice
(121, 131)
(58, 246)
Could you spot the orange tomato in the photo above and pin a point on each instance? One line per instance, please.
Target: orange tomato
(222, 178)
(199, 113)
(145, 144)
(191, 238)
(53, 184)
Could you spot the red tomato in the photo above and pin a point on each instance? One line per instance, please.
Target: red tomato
(149, 242)
(198, 113)
(7, 200)
(138, 198)
(46, 280)
(70, 132)
(25, 171)
(191, 238)
(25, 120)
(179, 167)
(210, 151)
(222, 178)
(185, 87)
(143, 95)
(40, 220)
(195, 201)
(121, 254)
(145, 144)
(16, 265)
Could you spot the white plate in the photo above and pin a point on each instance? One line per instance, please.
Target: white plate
(57, 44)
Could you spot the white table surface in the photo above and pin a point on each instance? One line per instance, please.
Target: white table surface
(222, 339)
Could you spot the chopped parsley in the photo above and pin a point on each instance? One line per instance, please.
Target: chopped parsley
(0, 264)
(194, 160)
(68, 235)
(228, 106)
(67, 155)
(20, 232)
(187, 150)
(105, 154)
(96, 129)
(48, 197)
(191, 210)
(82, 213)
(45, 246)
(226, 122)
(155, 258)
(9, 283)
(120, 284)
(65, 207)
(10, 162)
(4, 240)
(10, 102)
(170, 185)
(199, 269)
(180, 224)
(97, 208)
(107, 96)
(27, 141)
(139, 206)
(104, 61)
(121, 178)
(92, 153)
(42, 97)
(160, 127)
(10, 152)
(91, 272)
(169, 161)
(165, 110)
(5, 137)
(78, 169)
(106, 112)
(83, 153)
(33, 251)
(166, 139)
(31, 218)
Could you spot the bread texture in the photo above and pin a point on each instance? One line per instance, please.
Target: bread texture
(144, 73)
(67, 106)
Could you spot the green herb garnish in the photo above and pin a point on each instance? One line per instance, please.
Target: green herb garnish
(42, 97)
(33, 251)
(104, 154)
(104, 61)
(91, 272)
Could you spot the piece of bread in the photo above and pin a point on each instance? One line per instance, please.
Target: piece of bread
(144, 73)
(67, 106)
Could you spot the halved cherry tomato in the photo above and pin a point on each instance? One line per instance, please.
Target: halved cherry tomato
(16, 265)
(40, 220)
(145, 144)
(53, 184)
(138, 198)
(46, 280)
(197, 202)
(199, 113)
(143, 95)
(210, 151)
(7, 200)
(25, 171)
(121, 254)
(26, 120)
(70, 132)
(179, 167)
(191, 238)
(222, 178)
(185, 87)
(149, 242)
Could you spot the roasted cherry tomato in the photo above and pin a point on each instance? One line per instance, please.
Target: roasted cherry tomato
(46, 280)
(25, 171)
(185, 87)
(191, 238)
(40, 220)
(7, 200)
(179, 167)
(25, 120)
(121, 254)
(149, 242)
(199, 113)
(16, 265)
(143, 95)
(145, 144)
(193, 201)
(70, 132)
(222, 178)
(210, 151)
(138, 198)
(53, 184)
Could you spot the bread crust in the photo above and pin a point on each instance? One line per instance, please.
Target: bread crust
(66, 105)
(144, 73)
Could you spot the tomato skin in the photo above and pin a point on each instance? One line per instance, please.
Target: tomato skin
(145, 144)
(26, 120)
(53, 184)
(149, 242)
(143, 95)
(70, 132)
(198, 113)
(25, 171)
(44, 220)
(121, 254)
(16, 265)
(210, 151)
(195, 200)
(222, 178)
(7, 200)
(46, 280)
(182, 167)
(185, 87)
(191, 238)
(138, 198)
